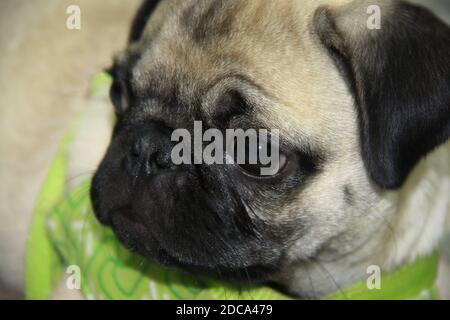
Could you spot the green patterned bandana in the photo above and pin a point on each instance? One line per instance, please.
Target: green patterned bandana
(65, 232)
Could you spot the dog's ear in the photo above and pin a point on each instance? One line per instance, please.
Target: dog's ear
(140, 20)
(399, 73)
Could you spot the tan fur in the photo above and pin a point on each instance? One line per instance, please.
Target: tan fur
(299, 92)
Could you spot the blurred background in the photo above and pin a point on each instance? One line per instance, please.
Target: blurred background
(45, 69)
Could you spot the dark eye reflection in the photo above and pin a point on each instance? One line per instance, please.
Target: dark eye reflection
(256, 154)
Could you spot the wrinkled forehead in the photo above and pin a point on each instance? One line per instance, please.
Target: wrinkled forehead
(189, 47)
(198, 42)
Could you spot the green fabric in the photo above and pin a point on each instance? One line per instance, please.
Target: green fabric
(413, 281)
(41, 266)
(65, 232)
(99, 84)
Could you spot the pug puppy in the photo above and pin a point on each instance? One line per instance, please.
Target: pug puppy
(364, 118)
(363, 115)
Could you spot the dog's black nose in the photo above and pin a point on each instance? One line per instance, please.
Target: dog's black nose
(150, 150)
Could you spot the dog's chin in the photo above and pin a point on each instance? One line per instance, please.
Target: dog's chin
(135, 237)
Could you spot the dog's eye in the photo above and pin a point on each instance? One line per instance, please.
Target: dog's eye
(119, 96)
(263, 160)
(257, 169)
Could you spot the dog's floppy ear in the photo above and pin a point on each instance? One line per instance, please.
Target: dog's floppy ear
(140, 20)
(400, 76)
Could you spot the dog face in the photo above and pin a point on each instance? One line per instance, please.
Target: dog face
(352, 106)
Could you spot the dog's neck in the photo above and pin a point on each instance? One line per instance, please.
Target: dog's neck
(411, 223)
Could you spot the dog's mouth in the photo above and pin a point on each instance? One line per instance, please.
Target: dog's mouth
(137, 238)
(134, 236)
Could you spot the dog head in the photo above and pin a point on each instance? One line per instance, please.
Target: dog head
(356, 108)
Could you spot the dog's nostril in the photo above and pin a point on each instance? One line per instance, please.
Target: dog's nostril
(150, 150)
(147, 158)
(160, 162)
(135, 151)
